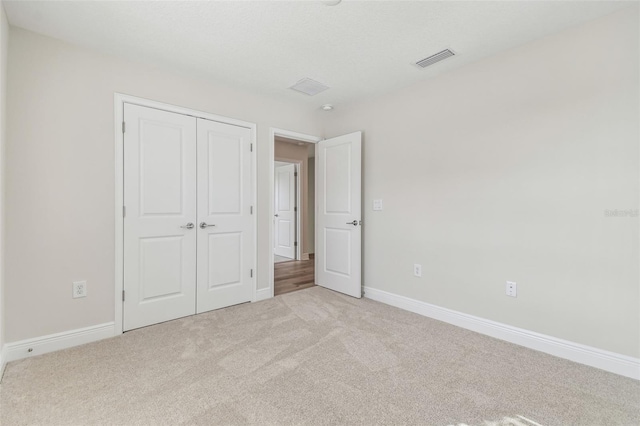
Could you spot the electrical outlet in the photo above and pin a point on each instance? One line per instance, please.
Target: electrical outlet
(512, 289)
(417, 270)
(79, 289)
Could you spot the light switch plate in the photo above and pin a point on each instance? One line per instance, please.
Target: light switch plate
(512, 289)
(377, 205)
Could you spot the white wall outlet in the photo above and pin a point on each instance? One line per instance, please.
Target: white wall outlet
(512, 289)
(79, 289)
(417, 270)
(377, 205)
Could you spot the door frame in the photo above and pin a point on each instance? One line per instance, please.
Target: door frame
(119, 100)
(273, 132)
(296, 163)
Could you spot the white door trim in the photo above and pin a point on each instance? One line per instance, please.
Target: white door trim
(119, 101)
(273, 132)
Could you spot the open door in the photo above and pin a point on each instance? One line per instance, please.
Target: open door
(338, 218)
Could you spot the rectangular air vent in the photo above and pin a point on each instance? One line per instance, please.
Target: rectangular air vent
(440, 56)
(309, 87)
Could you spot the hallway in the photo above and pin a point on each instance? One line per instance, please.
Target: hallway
(294, 275)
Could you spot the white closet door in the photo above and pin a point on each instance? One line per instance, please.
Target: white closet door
(225, 225)
(285, 211)
(338, 218)
(160, 202)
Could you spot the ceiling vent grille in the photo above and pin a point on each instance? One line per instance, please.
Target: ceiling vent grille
(440, 56)
(309, 87)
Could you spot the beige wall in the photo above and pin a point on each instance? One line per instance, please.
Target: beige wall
(4, 48)
(60, 173)
(502, 170)
(284, 151)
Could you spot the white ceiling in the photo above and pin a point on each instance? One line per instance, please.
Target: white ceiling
(358, 48)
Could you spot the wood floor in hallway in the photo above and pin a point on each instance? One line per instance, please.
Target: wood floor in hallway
(294, 275)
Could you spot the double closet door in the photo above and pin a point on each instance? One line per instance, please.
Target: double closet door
(188, 228)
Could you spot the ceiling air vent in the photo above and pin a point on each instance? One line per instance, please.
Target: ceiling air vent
(309, 87)
(440, 56)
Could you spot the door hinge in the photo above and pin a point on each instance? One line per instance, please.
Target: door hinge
(295, 244)
(295, 209)
(123, 295)
(251, 273)
(123, 127)
(295, 174)
(251, 147)
(124, 211)
(251, 210)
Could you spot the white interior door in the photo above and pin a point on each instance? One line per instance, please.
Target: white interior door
(225, 227)
(285, 212)
(159, 224)
(338, 219)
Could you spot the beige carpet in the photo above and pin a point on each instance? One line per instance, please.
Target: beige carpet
(311, 357)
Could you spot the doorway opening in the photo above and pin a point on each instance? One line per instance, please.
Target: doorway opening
(337, 208)
(294, 215)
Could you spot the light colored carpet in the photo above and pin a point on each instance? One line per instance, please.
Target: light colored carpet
(311, 357)
(280, 259)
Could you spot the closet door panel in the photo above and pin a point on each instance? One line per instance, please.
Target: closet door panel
(225, 226)
(160, 200)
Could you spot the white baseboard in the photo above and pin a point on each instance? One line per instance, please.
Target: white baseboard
(609, 361)
(263, 294)
(57, 341)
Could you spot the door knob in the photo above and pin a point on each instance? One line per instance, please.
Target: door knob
(188, 226)
(354, 223)
(276, 215)
(204, 225)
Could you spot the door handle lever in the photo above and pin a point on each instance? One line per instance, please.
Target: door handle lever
(204, 225)
(188, 226)
(354, 223)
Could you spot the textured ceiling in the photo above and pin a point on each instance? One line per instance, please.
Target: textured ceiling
(358, 48)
